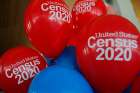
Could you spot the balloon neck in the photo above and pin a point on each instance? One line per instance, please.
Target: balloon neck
(49, 61)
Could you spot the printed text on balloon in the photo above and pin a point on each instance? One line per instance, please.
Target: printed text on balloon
(23, 72)
(57, 11)
(113, 46)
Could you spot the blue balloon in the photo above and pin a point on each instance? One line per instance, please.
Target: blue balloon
(68, 58)
(57, 79)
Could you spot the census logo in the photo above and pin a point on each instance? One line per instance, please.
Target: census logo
(57, 11)
(116, 46)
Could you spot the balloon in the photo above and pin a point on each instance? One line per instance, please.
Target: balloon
(136, 86)
(57, 79)
(48, 26)
(67, 58)
(85, 10)
(49, 61)
(127, 90)
(109, 52)
(19, 66)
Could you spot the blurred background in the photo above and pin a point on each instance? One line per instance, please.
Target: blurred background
(11, 19)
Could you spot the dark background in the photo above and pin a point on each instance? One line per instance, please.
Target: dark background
(11, 24)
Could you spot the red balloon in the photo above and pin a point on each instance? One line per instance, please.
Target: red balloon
(48, 24)
(136, 85)
(109, 53)
(85, 10)
(19, 66)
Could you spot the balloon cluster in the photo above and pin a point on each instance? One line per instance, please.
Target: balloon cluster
(86, 50)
